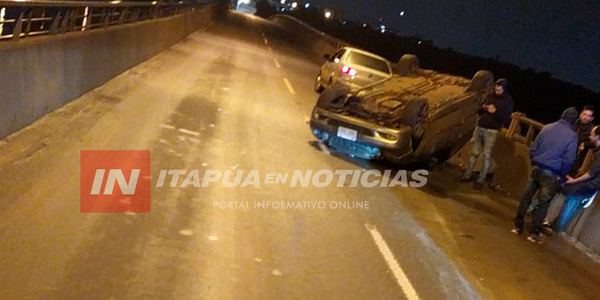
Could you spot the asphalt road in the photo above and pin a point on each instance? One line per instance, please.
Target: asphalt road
(234, 97)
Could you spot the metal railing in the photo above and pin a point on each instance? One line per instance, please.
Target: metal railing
(22, 18)
(518, 124)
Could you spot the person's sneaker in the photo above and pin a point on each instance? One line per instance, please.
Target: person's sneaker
(547, 228)
(535, 238)
(466, 179)
(478, 186)
(495, 187)
(517, 231)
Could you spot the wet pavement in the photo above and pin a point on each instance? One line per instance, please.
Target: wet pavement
(236, 97)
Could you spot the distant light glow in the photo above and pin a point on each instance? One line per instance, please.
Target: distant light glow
(307, 5)
(2, 13)
(402, 13)
(282, 2)
(328, 14)
(295, 4)
(86, 13)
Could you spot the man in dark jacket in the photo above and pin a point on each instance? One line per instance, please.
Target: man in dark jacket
(552, 156)
(494, 114)
(583, 127)
(580, 191)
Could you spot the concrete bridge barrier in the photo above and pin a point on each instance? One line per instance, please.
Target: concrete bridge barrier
(40, 74)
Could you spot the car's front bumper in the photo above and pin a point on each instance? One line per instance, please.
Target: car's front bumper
(372, 141)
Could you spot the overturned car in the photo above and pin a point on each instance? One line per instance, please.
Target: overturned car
(415, 115)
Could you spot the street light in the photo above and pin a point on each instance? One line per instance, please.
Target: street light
(307, 5)
(328, 14)
(295, 4)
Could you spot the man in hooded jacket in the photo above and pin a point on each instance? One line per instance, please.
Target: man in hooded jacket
(552, 156)
(494, 114)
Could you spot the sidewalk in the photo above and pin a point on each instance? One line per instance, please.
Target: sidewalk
(473, 229)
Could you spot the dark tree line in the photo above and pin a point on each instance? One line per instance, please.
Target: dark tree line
(537, 94)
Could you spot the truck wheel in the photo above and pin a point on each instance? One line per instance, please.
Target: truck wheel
(408, 64)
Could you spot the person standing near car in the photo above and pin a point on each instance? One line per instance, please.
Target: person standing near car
(552, 157)
(583, 127)
(581, 190)
(494, 114)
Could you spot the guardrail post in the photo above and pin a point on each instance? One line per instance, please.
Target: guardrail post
(530, 135)
(65, 22)
(134, 16)
(18, 27)
(105, 17)
(155, 13)
(29, 18)
(122, 15)
(55, 24)
(514, 123)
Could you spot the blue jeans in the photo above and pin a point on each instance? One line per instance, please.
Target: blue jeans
(569, 210)
(483, 143)
(573, 205)
(548, 185)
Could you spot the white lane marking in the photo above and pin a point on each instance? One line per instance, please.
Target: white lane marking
(213, 238)
(276, 272)
(401, 277)
(266, 41)
(289, 86)
(186, 232)
(270, 49)
(323, 147)
(277, 63)
(167, 126)
(183, 130)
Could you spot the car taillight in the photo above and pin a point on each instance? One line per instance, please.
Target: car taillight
(348, 70)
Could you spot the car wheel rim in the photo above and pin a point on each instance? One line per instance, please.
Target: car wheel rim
(419, 129)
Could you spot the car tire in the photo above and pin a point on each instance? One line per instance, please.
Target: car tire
(318, 85)
(482, 81)
(408, 64)
(415, 116)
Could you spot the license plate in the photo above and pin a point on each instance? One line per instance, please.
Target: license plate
(346, 133)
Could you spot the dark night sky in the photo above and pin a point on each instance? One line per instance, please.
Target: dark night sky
(558, 36)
